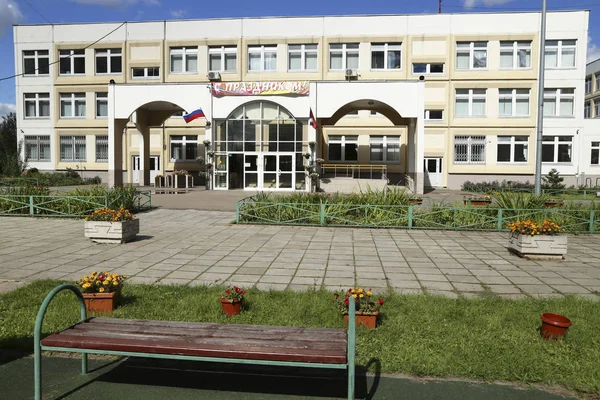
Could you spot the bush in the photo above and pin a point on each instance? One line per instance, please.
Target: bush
(469, 186)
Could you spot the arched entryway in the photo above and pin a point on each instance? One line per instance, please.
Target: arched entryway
(260, 146)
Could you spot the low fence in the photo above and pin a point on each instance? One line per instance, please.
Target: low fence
(585, 194)
(409, 217)
(68, 206)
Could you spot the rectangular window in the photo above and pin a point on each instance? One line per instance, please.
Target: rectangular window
(597, 109)
(515, 55)
(471, 55)
(343, 148)
(222, 59)
(385, 56)
(184, 148)
(512, 148)
(262, 58)
(72, 148)
(595, 153)
(36, 62)
(303, 57)
(102, 148)
(145, 73)
(434, 115)
(514, 102)
(470, 102)
(588, 85)
(343, 56)
(430, 69)
(37, 148)
(560, 53)
(108, 61)
(72, 62)
(102, 105)
(184, 60)
(559, 102)
(587, 110)
(469, 149)
(37, 105)
(557, 149)
(597, 82)
(72, 105)
(385, 148)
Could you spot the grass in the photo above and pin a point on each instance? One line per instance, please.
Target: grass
(487, 339)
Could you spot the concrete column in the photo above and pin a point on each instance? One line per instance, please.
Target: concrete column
(115, 151)
(420, 140)
(144, 172)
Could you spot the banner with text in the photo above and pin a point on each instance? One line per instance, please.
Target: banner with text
(297, 88)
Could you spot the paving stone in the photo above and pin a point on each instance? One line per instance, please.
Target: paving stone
(536, 289)
(405, 284)
(427, 277)
(522, 280)
(494, 280)
(314, 282)
(468, 287)
(431, 285)
(173, 281)
(443, 293)
(267, 286)
(504, 289)
(146, 280)
(570, 289)
(310, 273)
(339, 274)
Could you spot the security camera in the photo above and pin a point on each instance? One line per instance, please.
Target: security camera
(421, 78)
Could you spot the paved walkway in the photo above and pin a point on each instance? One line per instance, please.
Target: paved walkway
(203, 247)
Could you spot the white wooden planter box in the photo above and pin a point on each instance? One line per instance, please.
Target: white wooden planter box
(112, 232)
(538, 246)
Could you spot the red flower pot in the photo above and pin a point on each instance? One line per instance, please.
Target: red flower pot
(365, 319)
(101, 302)
(231, 308)
(549, 204)
(554, 326)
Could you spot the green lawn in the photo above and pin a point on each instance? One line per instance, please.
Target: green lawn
(489, 339)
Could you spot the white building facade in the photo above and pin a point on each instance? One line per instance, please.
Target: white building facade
(422, 100)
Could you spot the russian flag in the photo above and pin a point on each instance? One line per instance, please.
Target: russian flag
(193, 115)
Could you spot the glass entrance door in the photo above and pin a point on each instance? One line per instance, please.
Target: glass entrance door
(278, 171)
(251, 173)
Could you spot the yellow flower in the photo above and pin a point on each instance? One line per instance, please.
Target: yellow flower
(360, 290)
(369, 293)
(115, 283)
(106, 283)
(101, 290)
(354, 295)
(361, 295)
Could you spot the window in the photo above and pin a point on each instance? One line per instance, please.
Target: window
(385, 56)
(597, 108)
(434, 115)
(556, 149)
(72, 105)
(469, 149)
(514, 103)
(515, 55)
(470, 102)
(145, 73)
(342, 56)
(303, 57)
(72, 148)
(102, 148)
(222, 59)
(385, 148)
(597, 81)
(587, 110)
(595, 153)
(471, 55)
(184, 147)
(108, 61)
(560, 53)
(588, 85)
(37, 105)
(36, 62)
(184, 60)
(37, 148)
(72, 62)
(262, 58)
(559, 102)
(437, 68)
(512, 148)
(101, 105)
(343, 148)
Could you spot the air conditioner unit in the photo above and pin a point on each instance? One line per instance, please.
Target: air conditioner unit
(214, 76)
(351, 73)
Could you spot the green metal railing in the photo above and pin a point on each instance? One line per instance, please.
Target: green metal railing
(249, 211)
(585, 194)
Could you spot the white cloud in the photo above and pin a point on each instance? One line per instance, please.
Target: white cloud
(178, 13)
(6, 108)
(593, 52)
(9, 14)
(114, 3)
(485, 3)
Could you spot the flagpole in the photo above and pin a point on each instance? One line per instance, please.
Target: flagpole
(540, 105)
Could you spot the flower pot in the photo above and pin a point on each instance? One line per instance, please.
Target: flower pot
(477, 202)
(365, 319)
(549, 204)
(231, 308)
(112, 232)
(101, 302)
(540, 247)
(415, 202)
(554, 326)
(159, 181)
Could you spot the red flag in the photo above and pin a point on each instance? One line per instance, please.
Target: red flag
(312, 120)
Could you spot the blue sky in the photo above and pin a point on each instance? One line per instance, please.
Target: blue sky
(61, 11)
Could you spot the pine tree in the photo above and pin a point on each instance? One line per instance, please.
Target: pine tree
(553, 180)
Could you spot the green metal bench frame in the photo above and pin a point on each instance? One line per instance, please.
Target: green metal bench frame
(38, 348)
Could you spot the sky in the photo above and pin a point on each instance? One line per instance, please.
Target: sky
(64, 11)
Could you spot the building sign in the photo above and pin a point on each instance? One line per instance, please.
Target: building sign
(298, 88)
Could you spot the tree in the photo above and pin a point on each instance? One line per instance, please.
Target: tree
(11, 163)
(553, 180)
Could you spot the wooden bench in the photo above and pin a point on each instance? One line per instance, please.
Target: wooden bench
(229, 343)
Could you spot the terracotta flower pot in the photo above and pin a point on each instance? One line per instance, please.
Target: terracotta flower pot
(477, 202)
(554, 326)
(365, 319)
(101, 302)
(231, 308)
(549, 204)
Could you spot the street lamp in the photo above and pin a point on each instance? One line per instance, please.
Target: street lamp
(540, 113)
